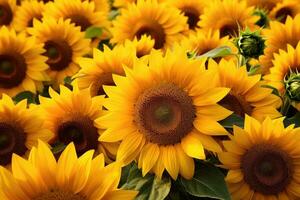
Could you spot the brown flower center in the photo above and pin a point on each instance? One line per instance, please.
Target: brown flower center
(12, 140)
(237, 104)
(229, 29)
(193, 16)
(104, 79)
(6, 14)
(81, 131)
(165, 114)
(267, 169)
(59, 195)
(155, 31)
(59, 54)
(283, 13)
(81, 21)
(12, 70)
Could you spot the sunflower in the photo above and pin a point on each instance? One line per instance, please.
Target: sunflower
(203, 41)
(29, 10)
(20, 129)
(7, 12)
(285, 63)
(267, 5)
(163, 23)
(97, 71)
(247, 96)
(71, 116)
(70, 178)
(277, 37)
(192, 9)
(81, 13)
(284, 9)
(262, 160)
(164, 114)
(64, 43)
(228, 17)
(22, 66)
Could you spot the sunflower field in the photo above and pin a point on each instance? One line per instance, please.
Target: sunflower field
(149, 99)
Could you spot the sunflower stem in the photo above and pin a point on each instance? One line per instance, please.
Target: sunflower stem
(286, 105)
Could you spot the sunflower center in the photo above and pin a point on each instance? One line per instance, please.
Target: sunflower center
(6, 14)
(229, 29)
(104, 79)
(81, 21)
(237, 104)
(155, 31)
(12, 70)
(165, 114)
(59, 54)
(193, 16)
(267, 169)
(12, 140)
(59, 195)
(282, 14)
(81, 131)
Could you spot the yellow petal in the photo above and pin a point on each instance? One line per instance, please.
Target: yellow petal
(209, 127)
(192, 146)
(186, 163)
(121, 194)
(148, 157)
(170, 160)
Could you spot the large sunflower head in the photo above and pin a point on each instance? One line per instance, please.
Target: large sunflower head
(22, 65)
(246, 96)
(81, 13)
(285, 64)
(7, 12)
(228, 16)
(164, 113)
(192, 9)
(97, 71)
(267, 5)
(284, 9)
(71, 116)
(277, 37)
(27, 11)
(70, 178)
(20, 129)
(203, 41)
(262, 160)
(165, 24)
(63, 43)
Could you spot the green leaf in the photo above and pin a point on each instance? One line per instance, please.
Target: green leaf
(149, 187)
(253, 70)
(93, 32)
(232, 120)
(293, 120)
(217, 52)
(25, 95)
(207, 182)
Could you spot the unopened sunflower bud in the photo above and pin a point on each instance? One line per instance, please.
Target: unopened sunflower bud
(292, 86)
(250, 44)
(263, 17)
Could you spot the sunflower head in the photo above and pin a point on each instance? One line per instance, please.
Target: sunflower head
(262, 160)
(164, 24)
(292, 86)
(284, 9)
(7, 12)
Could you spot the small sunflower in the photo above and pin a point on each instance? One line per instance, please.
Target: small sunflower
(70, 178)
(97, 71)
(64, 43)
(71, 116)
(203, 41)
(81, 13)
(29, 10)
(164, 113)
(277, 37)
(284, 9)
(20, 129)
(285, 63)
(228, 16)
(262, 160)
(165, 24)
(247, 96)
(267, 5)
(22, 66)
(7, 12)
(192, 9)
